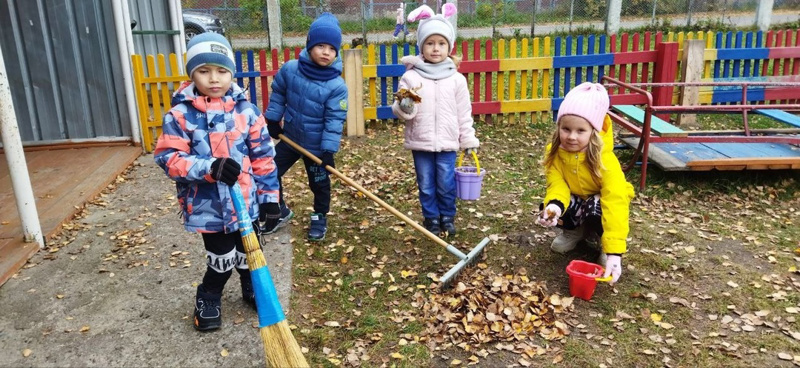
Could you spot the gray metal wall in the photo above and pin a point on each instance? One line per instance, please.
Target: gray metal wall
(63, 66)
(151, 15)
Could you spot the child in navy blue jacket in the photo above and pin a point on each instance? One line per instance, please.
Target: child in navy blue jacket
(311, 98)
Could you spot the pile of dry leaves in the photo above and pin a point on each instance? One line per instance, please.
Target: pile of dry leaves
(488, 307)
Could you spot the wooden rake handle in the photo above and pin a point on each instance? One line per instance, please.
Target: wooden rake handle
(367, 193)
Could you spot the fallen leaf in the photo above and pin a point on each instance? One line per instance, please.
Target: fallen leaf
(224, 352)
(27, 352)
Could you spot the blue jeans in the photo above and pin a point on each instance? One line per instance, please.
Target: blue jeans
(436, 179)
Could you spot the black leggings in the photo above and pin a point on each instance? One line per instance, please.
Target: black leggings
(224, 252)
(583, 211)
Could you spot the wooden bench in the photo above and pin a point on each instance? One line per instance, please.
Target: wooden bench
(657, 125)
(780, 115)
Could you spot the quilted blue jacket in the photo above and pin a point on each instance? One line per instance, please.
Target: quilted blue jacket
(197, 131)
(313, 111)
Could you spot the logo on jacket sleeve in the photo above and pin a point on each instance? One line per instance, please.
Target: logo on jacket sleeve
(343, 104)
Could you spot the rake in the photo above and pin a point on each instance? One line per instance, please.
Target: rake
(280, 347)
(465, 260)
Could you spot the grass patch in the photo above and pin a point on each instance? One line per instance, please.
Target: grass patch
(358, 294)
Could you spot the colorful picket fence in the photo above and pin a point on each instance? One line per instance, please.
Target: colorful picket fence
(517, 79)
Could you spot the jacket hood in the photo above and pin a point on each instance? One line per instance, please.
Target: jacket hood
(411, 61)
(607, 134)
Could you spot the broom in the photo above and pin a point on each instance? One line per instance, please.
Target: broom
(280, 347)
(465, 260)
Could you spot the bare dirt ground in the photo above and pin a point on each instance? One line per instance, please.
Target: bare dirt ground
(117, 288)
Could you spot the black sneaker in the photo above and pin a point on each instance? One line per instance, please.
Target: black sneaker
(286, 215)
(433, 225)
(207, 310)
(448, 225)
(248, 294)
(318, 227)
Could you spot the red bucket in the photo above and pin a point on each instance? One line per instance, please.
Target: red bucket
(583, 278)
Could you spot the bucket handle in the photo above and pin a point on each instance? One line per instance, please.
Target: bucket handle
(604, 279)
(475, 157)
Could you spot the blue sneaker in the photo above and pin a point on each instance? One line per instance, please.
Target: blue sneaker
(318, 227)
(286, 216)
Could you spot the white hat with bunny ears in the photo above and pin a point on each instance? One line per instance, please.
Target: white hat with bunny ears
(431, 24)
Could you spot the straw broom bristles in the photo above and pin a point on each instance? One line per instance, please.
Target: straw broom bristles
(280, 347)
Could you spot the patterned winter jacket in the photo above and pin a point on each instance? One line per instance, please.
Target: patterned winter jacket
(569, 174)
(313, 111)
(197, 131)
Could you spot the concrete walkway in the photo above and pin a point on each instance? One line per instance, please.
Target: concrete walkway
(117, 289)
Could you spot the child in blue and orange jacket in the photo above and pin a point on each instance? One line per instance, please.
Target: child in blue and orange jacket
(213, 138)
(310, 96)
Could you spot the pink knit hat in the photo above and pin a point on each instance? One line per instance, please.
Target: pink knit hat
(589, 101)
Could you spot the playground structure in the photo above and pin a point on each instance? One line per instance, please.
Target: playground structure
(674, 149)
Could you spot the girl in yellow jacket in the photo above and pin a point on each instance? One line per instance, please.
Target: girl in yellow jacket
(586, 189)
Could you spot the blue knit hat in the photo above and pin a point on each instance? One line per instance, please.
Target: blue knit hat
(325, 29)
(209, 48)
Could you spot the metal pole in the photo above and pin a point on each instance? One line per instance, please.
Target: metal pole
(122, 28)
(571, 7)
(17, 167)
(364, 22)
(533, 16)
(689, 10)
(653, 18)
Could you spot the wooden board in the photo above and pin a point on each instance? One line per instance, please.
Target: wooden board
(721, 156)
(663, 159)
(63, 180)
(780, 115)
(755, 150)
(750, 163)
(657, 125)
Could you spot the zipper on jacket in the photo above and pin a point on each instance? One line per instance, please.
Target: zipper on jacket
(436, 117)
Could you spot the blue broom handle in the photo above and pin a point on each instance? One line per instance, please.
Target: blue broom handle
(243, 216)
(267, 304)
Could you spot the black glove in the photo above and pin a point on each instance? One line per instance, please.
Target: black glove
(327, 159)
(269, 214)
(274, 128)
(226, 170)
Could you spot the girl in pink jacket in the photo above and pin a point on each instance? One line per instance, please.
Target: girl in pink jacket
(441, 123)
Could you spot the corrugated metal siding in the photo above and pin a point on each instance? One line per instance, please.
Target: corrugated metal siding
(152, 15)
(63, 66)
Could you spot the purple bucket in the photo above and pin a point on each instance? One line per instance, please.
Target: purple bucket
(468, 182)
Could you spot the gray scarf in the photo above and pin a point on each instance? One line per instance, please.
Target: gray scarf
(436, 71)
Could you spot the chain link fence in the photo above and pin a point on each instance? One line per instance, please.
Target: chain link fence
(245, 21)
